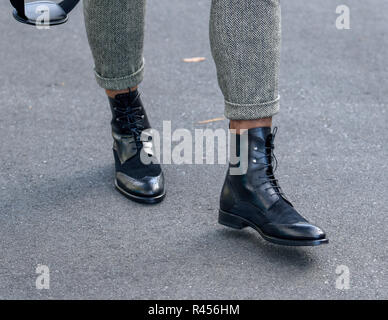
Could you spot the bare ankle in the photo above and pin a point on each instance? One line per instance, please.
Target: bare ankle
(113, 93)
(242, 125)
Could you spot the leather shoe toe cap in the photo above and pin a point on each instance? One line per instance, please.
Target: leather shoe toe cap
(296, 231)
(146, 186)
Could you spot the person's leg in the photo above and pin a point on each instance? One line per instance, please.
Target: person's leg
(245, 42)
(115, 30)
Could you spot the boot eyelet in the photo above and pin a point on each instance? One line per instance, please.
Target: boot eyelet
(255, 148)
(254, 160)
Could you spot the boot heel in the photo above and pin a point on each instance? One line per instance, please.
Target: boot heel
(231, 220)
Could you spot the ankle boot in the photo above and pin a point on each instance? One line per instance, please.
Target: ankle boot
(139, 181)
(255, 199)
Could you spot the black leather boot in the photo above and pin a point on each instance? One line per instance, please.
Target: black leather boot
(136, 179)
(255, 199)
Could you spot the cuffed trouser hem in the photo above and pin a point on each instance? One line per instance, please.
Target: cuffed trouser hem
(235, 111)
(121, 83)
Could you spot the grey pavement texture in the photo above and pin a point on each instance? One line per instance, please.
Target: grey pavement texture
(59, 207)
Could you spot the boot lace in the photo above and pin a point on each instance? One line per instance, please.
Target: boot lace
(131, 119)
(268, 168)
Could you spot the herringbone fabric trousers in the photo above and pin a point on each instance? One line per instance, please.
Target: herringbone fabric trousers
(245, 43)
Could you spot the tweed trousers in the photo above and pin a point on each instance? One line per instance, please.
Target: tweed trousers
(245, 38)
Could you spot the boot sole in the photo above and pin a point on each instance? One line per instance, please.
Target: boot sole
(140, 199)
(233, 221)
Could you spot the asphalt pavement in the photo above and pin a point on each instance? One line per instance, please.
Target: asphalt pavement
(59, 208)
